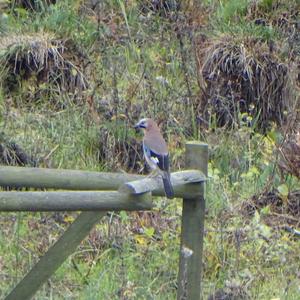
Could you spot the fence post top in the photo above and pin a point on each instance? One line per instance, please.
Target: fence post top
(196, 143)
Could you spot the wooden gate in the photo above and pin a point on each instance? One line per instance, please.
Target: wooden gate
(94, 194)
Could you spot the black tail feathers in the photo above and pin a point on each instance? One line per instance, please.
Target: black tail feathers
(168, 186)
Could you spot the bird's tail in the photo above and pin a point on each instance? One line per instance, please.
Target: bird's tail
(167, 185)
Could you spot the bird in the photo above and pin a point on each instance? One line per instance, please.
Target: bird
(156, 152)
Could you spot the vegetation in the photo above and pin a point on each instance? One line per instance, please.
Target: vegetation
(76, 75)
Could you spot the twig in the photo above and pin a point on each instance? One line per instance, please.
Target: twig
(51, 152)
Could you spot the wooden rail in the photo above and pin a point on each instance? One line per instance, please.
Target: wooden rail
(63, 179)
(185, 183)
(95, 193)
(72, 201)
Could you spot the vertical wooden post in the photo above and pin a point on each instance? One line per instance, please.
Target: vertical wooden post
(55, 256)
(192, 229)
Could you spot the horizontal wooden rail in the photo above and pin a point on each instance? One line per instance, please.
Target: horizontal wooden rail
(63, 179)
(185, 184)
(73, 200)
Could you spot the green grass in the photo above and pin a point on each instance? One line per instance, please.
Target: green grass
(228, 10)
(238, 18)
(137, 67)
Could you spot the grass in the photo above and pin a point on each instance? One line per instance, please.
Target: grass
(137, 64)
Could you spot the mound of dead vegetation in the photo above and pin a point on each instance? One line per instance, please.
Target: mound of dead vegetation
(289, 156)
(244, 77)
(39, 65)
(12, 154)
(31, 4)
(232, 291)
(163, 7)
(282, 210)
(120, 151)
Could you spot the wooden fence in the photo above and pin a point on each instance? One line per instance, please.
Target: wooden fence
(96, 193)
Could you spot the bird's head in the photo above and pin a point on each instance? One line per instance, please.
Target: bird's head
(146, 124)
(143, 124)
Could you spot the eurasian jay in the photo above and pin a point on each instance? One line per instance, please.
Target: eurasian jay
(156, 152)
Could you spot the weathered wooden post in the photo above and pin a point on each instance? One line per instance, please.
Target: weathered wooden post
(192, 229)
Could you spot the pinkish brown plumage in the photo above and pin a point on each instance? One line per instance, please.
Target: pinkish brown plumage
(156, 152)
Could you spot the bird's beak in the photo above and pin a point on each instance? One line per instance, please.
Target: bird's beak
(137, 126)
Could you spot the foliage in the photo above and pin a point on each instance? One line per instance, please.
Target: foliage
(144, 58)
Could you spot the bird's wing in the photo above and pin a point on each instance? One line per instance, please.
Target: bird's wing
(161, 160)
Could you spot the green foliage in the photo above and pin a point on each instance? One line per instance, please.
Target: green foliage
(142, 64)
(266, 4)
(231, 11)
(2, 105)
(238, 18)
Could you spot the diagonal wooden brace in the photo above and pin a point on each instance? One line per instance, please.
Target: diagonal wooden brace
(55, 256)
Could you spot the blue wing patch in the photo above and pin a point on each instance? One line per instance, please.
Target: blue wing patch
(162, 161)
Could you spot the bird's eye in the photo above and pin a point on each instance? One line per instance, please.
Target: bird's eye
(142, 124)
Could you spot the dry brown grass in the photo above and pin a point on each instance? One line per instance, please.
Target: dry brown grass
(120, 152)
(282, 210)
(289, 155)
(244, 75)
(40, 60)
(163, 7)
(12, 154)
(31, 4)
